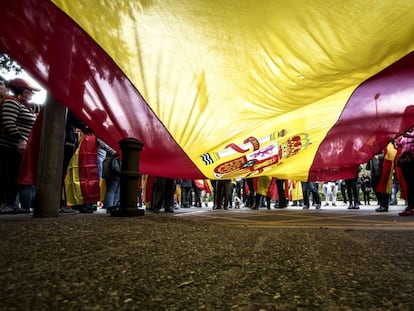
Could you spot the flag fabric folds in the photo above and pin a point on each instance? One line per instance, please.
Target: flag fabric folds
(222, 89)
(82, 180)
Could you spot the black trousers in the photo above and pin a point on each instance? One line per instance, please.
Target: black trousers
(352, 190)
(408, 173)
(10, 160)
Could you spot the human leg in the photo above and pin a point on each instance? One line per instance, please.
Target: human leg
(27, 195)
(349, 192)
(305, 190)
(169, 190)
(10, 161)
(110, 194)
(334, 193)
(326, 193)
(281, 193)
(409, 179)
(315, 192)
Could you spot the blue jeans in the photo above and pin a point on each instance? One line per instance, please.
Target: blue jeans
(112, 191)
(26, 196)
(100, 161)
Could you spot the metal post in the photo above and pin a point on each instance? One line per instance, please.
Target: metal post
(49, 171)
(130, 175)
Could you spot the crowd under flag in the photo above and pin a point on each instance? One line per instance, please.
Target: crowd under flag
(222, 89)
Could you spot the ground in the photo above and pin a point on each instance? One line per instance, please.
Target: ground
(163, 262)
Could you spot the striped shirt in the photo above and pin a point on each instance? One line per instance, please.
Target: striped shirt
(16, 122)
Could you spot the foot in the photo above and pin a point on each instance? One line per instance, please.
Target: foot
(381, 209)
(407, 212)
(5, 209)
(84, 208)
(279, 206)
(67, 210)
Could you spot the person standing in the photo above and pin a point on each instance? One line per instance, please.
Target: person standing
(163, 195)
(308, 188)
(383, 177)
(103, 150)
(330, 190)
(17, 119)
(221, 194)
(72, 127)
(395, 189)
(352, 190)
(296, 193)
(366, 187)
(407, 168)
(82, 187)
(186, 188)
(112, 175)
(280, 186)
(197, 194)
(342, 189)
(249, 198)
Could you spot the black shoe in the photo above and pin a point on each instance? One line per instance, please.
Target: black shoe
(110, 208)
(169, 210)
(381, 209)
(350, 206)
(67, 210)
(20, 210)
(84, 208)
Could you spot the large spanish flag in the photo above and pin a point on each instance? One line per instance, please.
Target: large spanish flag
(221, 88)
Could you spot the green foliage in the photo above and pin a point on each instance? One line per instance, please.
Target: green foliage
(7, 64)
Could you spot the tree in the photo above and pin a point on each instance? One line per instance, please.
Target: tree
(7, 64)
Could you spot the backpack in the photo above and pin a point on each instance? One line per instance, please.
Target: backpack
(111, 166)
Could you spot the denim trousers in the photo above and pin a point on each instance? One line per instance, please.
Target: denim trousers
(112, 191)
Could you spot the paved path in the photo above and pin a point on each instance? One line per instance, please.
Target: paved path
(204, 259)
(293, 217)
